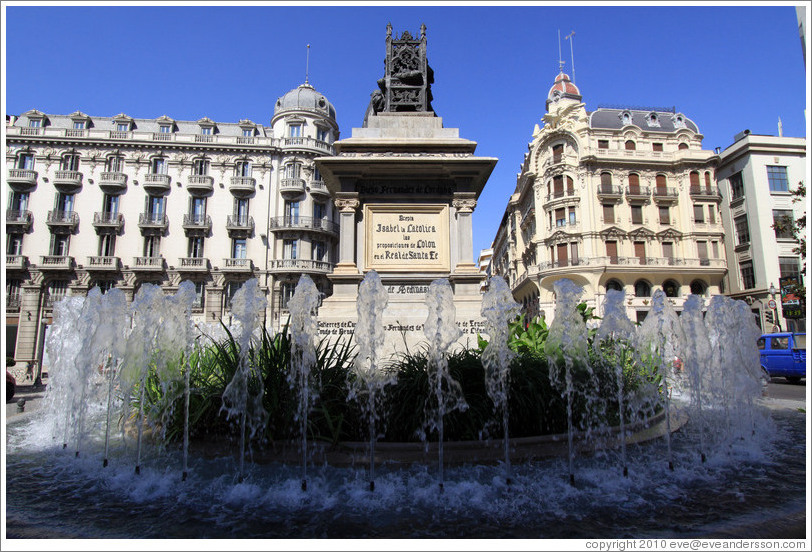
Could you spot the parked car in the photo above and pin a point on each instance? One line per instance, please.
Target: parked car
(783, 355)
(11, 386)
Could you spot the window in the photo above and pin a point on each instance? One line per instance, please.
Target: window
(196, 247)
(560, 217)
(615, 285)
(606, 182)
(698, 287)
(682, 146)
(782, 223)
(637, 214)
(243, 168)
(558, 186)
(159, 166)
(558, 153)
(661, 183)
(286, 290)
(60, 244)
(570, 186)
(292, 210)
(561, 255)
(634, 184)
(572, 219)
(115, 163)
(70, 162)
(630, 145)
(197, 209)
(777, 178)
(708, 180)
(702, 252)
(152, 246)
(292, 170)
(35, 123)
(319, 252)
(238, 248)
(715, 249)
(294, 131)
(780, 343)
(18, 201)
(611, 252)
(57, 290)
(155, 208)
(574, 254)
(231, 290)
(640, 251)
(699, 213)
(657, 146)
(200, 293)
(789, 268)
(25, 161)
(603, 144)
(694, 179)
(107, 245)
(640, 316)
(642, 289)
(668, 252)
(665, 215)
(323, 135)
(316, 174)
(671, 288)
(165, 129)
(123, 127)
(14, 244)
(290, 249)
(207, 131)
(608, 213)
(742, 229)
(319, 210)
(736, 186)
(64, 203)
(747, 275)
(79, 125)
(247, 132)
(200, 167)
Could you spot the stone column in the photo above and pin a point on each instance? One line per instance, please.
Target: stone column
(465, 242)
(346, 247)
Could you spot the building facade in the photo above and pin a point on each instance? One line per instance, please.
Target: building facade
(757, 175)
(121, 201)
(617, 198)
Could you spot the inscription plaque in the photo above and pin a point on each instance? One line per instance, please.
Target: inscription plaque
(408, 238)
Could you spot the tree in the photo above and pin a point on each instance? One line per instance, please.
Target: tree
(797, 229)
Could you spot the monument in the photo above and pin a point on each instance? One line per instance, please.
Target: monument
(406, 188)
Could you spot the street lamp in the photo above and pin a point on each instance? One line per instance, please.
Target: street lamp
(775, 307)
(772, 290)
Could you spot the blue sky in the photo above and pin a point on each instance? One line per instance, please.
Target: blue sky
(728, 67)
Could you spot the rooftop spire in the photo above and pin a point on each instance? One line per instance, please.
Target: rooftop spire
(560, 61)
(307, 64)
(572, 56)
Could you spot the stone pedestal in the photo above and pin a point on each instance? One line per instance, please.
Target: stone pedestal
(406, 188)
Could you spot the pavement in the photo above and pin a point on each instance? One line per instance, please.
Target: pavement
(31, 395)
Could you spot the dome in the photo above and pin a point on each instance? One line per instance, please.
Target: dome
(563, 88)
(305, 98)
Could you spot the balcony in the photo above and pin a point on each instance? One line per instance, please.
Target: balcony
(13, 303)
(68, 181)
(153, 223)
(62, 222)
(163, 137)
(608, 191)
(75, 133)
(18, 222)
(319, 188)
(237, 265)
(239, 226)
(16, 262)
(665, 195)
(157, 183)
(108, 222)
(242, 186)
(22, 180)
(113, 182)
(705, 192)
(204, 138)
(292, 186)
(304, 223)
(300, 265)
(560, 197)
(193, 264)
(103, 263)
(55, 262)
(120, 135)
(196, 224)
(638, 193)
(148, 264)
(200, 184)
(307, 144)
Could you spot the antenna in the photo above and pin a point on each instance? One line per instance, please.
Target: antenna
(572, 56)
(560, 62)
(307, 64)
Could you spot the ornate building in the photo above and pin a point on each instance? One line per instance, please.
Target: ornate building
(120, 201)
(622, 198)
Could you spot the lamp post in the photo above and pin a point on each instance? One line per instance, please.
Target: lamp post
(774, 306)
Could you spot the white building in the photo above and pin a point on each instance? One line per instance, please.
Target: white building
(756, 177)
(617, 198)
(120, 201)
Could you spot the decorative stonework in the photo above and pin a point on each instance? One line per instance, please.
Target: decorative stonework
(464, 205)
(347, 205)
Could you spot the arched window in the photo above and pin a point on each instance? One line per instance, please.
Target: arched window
(558, 153)
(698, 287)
(694, 178)
(606, 181)
(70, 162)
(661, 182)
(642, 289)
(558, 186)
(634, 183)
(630, 145)
(570, 186)
(243, 167)
(25, 160)
(708, 180)
(671, 288)
(200, 167)
(682, 146)
(614, 284)
(115, 163)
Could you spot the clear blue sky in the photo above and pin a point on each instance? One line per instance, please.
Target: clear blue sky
(728, 68)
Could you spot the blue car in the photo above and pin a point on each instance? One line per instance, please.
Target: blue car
(784, 355)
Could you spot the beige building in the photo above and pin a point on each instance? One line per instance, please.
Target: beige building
(757, 175)
(622, 198)
(120, 201)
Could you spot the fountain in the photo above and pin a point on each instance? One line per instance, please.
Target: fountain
(442, 332)
(370, 380)
(499, 309)
(303, 356)
(239, 401)
(716, 406)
